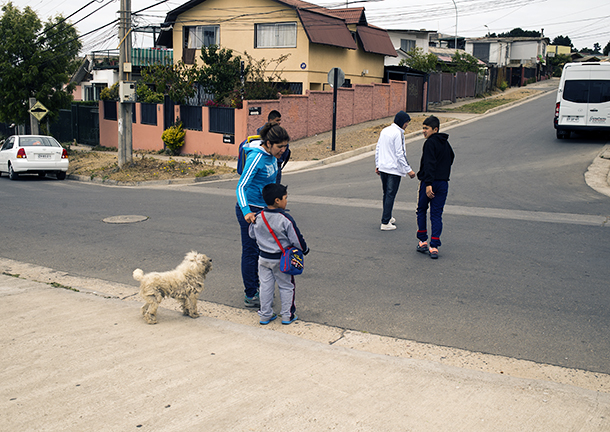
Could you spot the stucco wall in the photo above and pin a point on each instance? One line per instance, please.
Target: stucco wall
(302, 116)
(148, 137)
(311, 114)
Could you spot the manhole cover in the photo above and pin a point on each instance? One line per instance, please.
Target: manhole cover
(124, 219)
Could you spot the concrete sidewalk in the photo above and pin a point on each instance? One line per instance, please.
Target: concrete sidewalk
(76, 361)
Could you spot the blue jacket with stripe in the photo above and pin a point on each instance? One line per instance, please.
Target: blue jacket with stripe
(259, 171)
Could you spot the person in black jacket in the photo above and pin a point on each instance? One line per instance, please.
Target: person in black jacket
(435, 167)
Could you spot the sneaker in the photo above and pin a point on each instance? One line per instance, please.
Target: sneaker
(267, 321)
(388, 227)
(433, 252)
(422, 247)
(290, 321)
(251, 302)
(393, 220)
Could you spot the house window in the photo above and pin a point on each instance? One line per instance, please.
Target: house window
(202, 36)
(281, 35)
(407, 45)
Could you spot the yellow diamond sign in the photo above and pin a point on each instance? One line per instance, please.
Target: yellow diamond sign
(38, 111)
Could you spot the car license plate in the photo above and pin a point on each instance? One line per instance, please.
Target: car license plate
(572, 119)
(44, 156)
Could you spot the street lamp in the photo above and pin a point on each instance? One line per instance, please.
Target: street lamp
(456, 17)
(485, 25)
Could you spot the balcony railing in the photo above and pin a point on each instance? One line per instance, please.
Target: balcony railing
(140, 57)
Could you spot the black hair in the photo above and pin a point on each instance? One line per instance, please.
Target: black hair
(273, 191)
(274, 133)
(432, 122)
(274, 114)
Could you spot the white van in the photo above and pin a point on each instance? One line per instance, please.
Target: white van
(583, 99)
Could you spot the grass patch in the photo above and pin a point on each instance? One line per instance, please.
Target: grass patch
(482, 106)
(58, 285)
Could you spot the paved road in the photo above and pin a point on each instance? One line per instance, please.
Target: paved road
(523, 270)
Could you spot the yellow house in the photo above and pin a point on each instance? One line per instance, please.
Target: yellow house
(553, 50)
(314, 38)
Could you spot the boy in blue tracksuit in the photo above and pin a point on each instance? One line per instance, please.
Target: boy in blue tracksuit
(434, 170)
(288, 234)
(260, 169)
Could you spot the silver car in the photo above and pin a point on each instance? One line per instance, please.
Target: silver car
(33, 154)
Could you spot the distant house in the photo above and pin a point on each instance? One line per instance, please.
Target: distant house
(509, 51)
(315, 39)
(100, 70)
(406, 40)
(555, 50)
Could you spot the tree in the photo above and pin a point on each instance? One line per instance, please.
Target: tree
(35, 61)
(220, 74)
(558, 62)
(264, 78)
(419, 61)
(597, 49)
(519, 32)
(463, 62)
(562, 41)
(607, 49)
(177, 80)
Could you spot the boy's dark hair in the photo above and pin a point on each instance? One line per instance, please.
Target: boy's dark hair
(273, 191)
(274, 133)
(274, 114)
(433, 122)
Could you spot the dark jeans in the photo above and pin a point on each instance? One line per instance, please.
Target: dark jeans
(437, 204)
(249, 256)
(390, 184)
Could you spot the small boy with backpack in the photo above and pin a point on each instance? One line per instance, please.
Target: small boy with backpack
(275, 218)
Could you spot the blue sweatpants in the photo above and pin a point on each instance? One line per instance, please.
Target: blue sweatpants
(249, 256)
(436, 204)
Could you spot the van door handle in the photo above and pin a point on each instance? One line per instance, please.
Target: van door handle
(594, 110)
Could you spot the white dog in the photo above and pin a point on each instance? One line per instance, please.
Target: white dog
(185, 283)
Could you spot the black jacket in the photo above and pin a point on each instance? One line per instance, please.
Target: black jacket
(436, 160)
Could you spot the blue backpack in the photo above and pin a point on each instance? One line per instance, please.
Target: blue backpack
(241, 157)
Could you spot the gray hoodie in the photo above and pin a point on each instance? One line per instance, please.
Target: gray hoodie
(285, 229)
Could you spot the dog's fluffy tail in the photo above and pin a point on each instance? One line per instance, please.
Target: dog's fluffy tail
(138, 274)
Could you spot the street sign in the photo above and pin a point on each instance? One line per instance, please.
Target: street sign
(340, 77)
(38, 111)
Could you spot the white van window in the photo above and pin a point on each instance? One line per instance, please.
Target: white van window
(587, 91)
(600, 91)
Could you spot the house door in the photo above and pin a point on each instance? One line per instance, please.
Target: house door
(415, 93)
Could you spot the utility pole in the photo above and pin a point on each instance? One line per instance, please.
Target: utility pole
(125, 108)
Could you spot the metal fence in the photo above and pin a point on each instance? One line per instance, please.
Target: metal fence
(222, 120)
(191, 117)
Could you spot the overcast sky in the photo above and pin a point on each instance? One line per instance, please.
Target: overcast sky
(584, 21)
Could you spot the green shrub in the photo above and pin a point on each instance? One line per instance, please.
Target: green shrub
(173, 137)
(205, 173)
(503, 85)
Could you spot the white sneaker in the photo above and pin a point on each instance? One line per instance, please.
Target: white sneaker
(388, 227)
(392, 220)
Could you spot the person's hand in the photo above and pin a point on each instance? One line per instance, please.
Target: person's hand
(250, 217)
(429, 192)
(411, 174)
(377, 171)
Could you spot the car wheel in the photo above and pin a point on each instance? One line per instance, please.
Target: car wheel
(562, 134)
(61, 175)
(11, 173)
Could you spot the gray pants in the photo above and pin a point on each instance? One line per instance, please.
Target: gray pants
(269, 274)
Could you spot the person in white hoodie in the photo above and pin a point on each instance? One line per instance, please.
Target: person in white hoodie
(391, 165)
